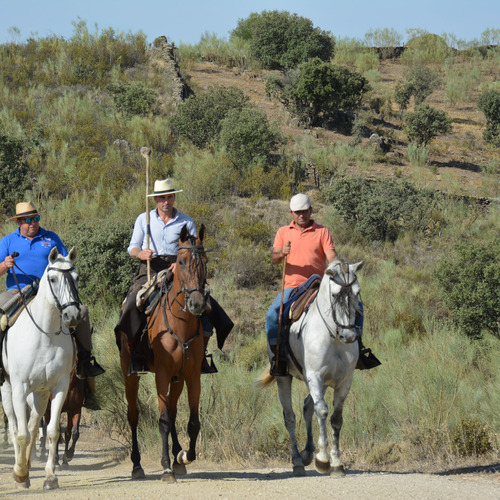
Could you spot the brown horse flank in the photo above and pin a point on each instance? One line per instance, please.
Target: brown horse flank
(176, 339)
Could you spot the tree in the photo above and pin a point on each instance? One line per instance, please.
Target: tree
(425, 123)
(280, 40)
(246, 135)
(199, 119)
(319, 89)
(420, 83)
(489, 104)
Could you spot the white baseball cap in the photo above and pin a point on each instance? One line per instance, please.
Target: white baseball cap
(300, 202)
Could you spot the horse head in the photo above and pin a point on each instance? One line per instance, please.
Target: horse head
(192, 268)
(62, 280)
(344, 295)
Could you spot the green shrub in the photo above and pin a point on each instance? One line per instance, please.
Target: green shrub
(246, 135)
(14, 169)
(470, 438)
(425, 123)
(134, 98)
(417, 155)
(489, 104)
(382, 209)
(469, 279)
(105, 267)
(200, 118)
(281, 40)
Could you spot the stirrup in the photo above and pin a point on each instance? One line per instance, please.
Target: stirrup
(367, 360)
(208, 367)
(137, 367)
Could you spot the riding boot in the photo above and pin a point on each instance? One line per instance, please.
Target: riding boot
(206, 366)
(87, 366)
(279, 362)
(367, 360)
(138, 364)
(90, 400)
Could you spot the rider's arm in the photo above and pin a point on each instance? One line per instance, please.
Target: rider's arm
(330, 255)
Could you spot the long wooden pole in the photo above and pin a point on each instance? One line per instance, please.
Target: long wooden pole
(281, 312)
(146, 152)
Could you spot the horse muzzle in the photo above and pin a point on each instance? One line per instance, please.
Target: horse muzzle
(196, 303)
(70, 316)
(347, 335)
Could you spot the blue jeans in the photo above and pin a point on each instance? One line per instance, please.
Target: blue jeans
(273, 314)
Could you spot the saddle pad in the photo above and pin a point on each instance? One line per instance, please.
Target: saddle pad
(148, 288)
(297, 308)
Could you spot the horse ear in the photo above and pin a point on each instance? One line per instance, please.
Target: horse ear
(330, 270)
(53, 255)
(357, 267)
(184, 233)
(72, 254)
(201, 233)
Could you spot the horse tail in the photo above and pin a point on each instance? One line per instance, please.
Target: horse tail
(265, 379)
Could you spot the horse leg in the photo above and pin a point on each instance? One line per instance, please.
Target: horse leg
(131, 392)
(37, 404)
(194, 391)
(71, 436)
(53, 432)
(307, 453)
(322, 459)
(285, 395)
(21, 437)
(336, 423)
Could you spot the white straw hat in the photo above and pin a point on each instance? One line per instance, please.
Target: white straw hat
(164, 187)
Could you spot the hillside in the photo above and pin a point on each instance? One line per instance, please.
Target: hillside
(456, 160)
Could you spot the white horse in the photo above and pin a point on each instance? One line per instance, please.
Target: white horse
(324, 353)
(38, 356)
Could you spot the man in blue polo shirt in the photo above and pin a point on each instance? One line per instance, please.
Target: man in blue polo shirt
(27, 250)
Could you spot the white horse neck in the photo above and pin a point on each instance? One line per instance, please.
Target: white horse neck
(43, 312)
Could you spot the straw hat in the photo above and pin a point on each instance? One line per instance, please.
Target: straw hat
(24, 209)
(164, 187)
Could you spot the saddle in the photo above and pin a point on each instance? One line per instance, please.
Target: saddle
(302, 302)
(150, 293)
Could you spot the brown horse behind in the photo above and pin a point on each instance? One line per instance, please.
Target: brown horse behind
(176, 339)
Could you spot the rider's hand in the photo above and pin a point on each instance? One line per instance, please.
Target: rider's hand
(146, 254)
(286, 248)
(9, 261)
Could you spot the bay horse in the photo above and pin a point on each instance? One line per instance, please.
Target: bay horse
(175, 335)
(323, 353)
(38, 356)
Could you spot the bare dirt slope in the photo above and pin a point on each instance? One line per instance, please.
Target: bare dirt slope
(101, 470)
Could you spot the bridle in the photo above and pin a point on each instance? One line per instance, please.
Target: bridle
(196, 253)
(342, 299)
(73, 292)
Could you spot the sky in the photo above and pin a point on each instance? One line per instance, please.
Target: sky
(185, 21)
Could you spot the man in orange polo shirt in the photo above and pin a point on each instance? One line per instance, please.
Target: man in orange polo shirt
(308, 248)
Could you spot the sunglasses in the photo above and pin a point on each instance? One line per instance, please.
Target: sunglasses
(29, 220)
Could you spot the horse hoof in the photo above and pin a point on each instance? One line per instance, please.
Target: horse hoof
(338, 471)
(23, 485)
(168, 477)
(322, 467)
(64, 466)
(138, 473)
(182, 458)
(306, 457)
(179, 469)
(299, 471)
(51, 484)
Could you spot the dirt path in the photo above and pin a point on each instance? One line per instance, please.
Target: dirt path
(99, 471)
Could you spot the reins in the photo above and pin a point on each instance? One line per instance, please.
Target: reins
(73, 295)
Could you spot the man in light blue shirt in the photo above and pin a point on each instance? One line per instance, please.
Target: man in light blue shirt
(160, 250)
